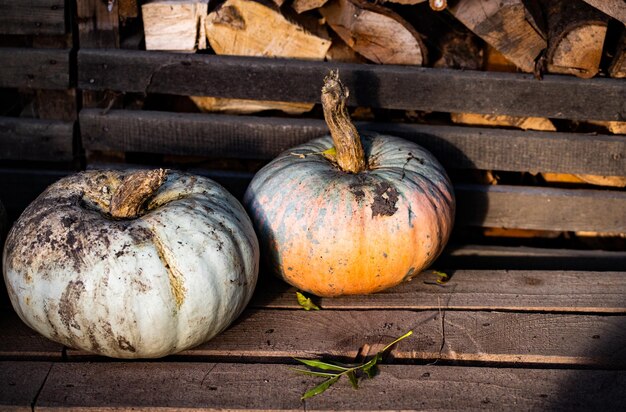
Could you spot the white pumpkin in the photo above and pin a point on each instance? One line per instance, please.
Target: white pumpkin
(131, 264)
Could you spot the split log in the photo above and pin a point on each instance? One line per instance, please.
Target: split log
(249, 28)
(173, 25)
(128, 9)
(613, 8)
(524, 123)
(618, 64)
(245, 106)
(375, 32)
(506, 25)
(576, 33)
(300, 6)
(496, 62)
(339, 51)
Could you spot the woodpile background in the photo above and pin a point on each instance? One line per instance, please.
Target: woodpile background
(578, 39)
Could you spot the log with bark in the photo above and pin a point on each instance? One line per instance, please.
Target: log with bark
(375, 32)
(618, 64)
(507, 26)
(576, 33)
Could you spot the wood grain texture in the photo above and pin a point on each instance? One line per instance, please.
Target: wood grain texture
(97, 25)
(34, 139)
(35, 68)
(541, 208)
(20, 383)
(35, 17)
(510, 290)
(174, 25)
(613, 8)
(263, 335)
(146, 386)
(506, 26)
(389, 86)
(266, 137)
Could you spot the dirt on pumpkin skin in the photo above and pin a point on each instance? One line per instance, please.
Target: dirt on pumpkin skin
(385, 199)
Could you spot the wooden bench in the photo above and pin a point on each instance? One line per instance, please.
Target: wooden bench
(517, 325)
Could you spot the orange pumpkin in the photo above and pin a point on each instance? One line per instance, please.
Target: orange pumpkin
(338, 216)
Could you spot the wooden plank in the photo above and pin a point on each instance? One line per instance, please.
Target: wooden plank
(504, 290)
(264, 335)
(32, 17)
(35, 68)
(150, 386)
(98, 23)
(265, 137)
(541, 208)
(35, 139)
(492, 257)
(19, 342)
(388, 86)
(20, 383)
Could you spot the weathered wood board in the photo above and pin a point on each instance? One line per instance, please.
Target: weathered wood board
(266, 137)
(35, 68)
(34, 139)
(37, 17)
(387, 86)
(185, 386)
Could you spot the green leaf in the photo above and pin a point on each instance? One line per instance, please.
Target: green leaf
(322, 365)
(320, 388)
(370, 367)
(442, 277)
(353, 379)
(314, 373)
(306, 303)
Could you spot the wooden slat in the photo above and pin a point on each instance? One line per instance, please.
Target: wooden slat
(493, 257)
(35, 68)
(510, 290)
(186, 386)
(541, 208)
(20, 383)
(266, 137)
(18, 341)
(388, 86)
(35, 139)
(484, 337)
(32, 17)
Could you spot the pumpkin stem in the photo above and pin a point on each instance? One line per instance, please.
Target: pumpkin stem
(350, 155)
(130, 197)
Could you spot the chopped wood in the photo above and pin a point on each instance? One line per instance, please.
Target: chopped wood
(375, 32)
(128, 9)
(300, 6)
(611, 181)
(245, 106)
(340, 52)
(496, 62)
(618, 65)
(459, 51)
(613, 8)
(506, 26)
(175, 25)
(576, 33)
(249, 28)
(524, 123)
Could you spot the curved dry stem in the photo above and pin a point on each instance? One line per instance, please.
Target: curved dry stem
(350, 155)
(135, 190)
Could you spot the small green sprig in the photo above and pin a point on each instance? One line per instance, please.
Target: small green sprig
(334, 371)
(306, 303)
